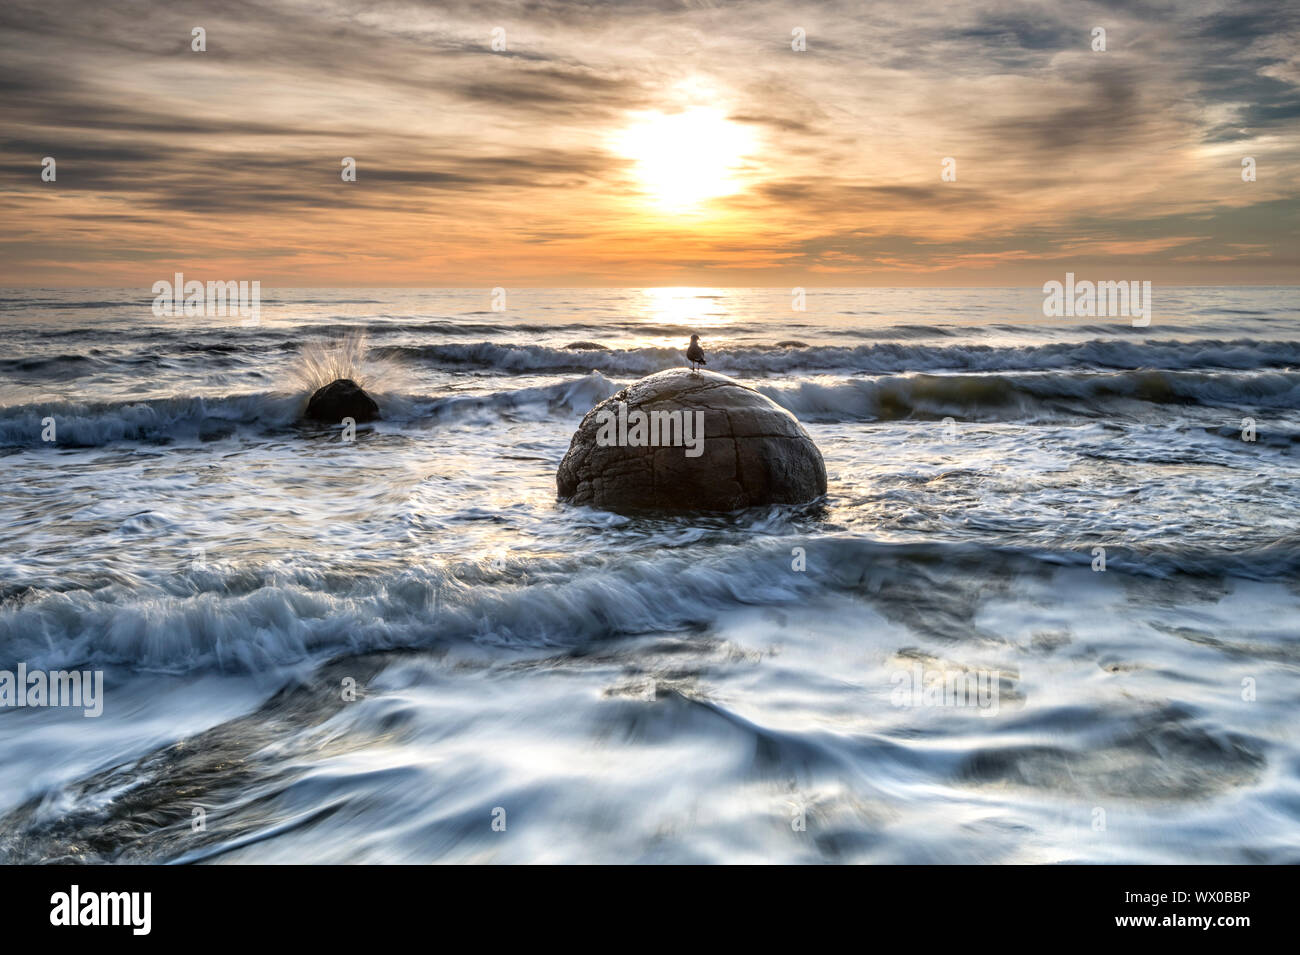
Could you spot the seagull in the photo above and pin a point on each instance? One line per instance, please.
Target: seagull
(695, 354)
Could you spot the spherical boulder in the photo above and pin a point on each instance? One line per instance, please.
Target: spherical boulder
(690, 441)
(341, 398)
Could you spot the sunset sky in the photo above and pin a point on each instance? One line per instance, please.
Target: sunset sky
(648, 143)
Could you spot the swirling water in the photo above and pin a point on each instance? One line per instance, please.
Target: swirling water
(538, 682)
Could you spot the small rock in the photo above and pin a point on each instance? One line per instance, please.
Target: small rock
(342, 398)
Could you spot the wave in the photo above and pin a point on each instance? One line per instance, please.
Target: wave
(879, 358)
(164, 420)
(577, 397)
(95, 424)
(885, 398)
(1017, 397)
(52, 367)
(255, 620)
(911, 330)
(58, 304)
(893, 349)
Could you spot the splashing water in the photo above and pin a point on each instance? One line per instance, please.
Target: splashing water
(321, 362)
(344, 356)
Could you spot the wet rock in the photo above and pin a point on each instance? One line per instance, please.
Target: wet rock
(342, 398)
(683, 441)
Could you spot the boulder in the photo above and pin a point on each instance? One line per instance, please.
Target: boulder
(728, 447)
(342, 398)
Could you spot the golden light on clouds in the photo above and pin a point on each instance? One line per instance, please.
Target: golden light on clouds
(633, 145)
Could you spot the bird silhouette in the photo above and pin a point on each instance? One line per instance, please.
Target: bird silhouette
(695, 354)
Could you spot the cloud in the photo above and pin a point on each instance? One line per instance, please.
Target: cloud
(473, 161)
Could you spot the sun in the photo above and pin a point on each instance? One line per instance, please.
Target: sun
(682, 159)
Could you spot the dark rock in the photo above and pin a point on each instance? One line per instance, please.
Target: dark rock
(341, 399)
(585, 346)
(753, 451)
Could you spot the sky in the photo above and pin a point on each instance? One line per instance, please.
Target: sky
(649, 143)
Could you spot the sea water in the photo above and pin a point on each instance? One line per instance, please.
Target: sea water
(1047, 611)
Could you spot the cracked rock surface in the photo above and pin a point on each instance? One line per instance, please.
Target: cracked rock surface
(754, 452)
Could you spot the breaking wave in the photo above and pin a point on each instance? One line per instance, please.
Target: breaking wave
(994, 397)
(1016, 397)
(250, 620)
(879, 358)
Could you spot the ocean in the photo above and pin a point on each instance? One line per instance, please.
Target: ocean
(1047, 611)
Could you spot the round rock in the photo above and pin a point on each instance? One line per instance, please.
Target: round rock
(341, 398)
(684, 441)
